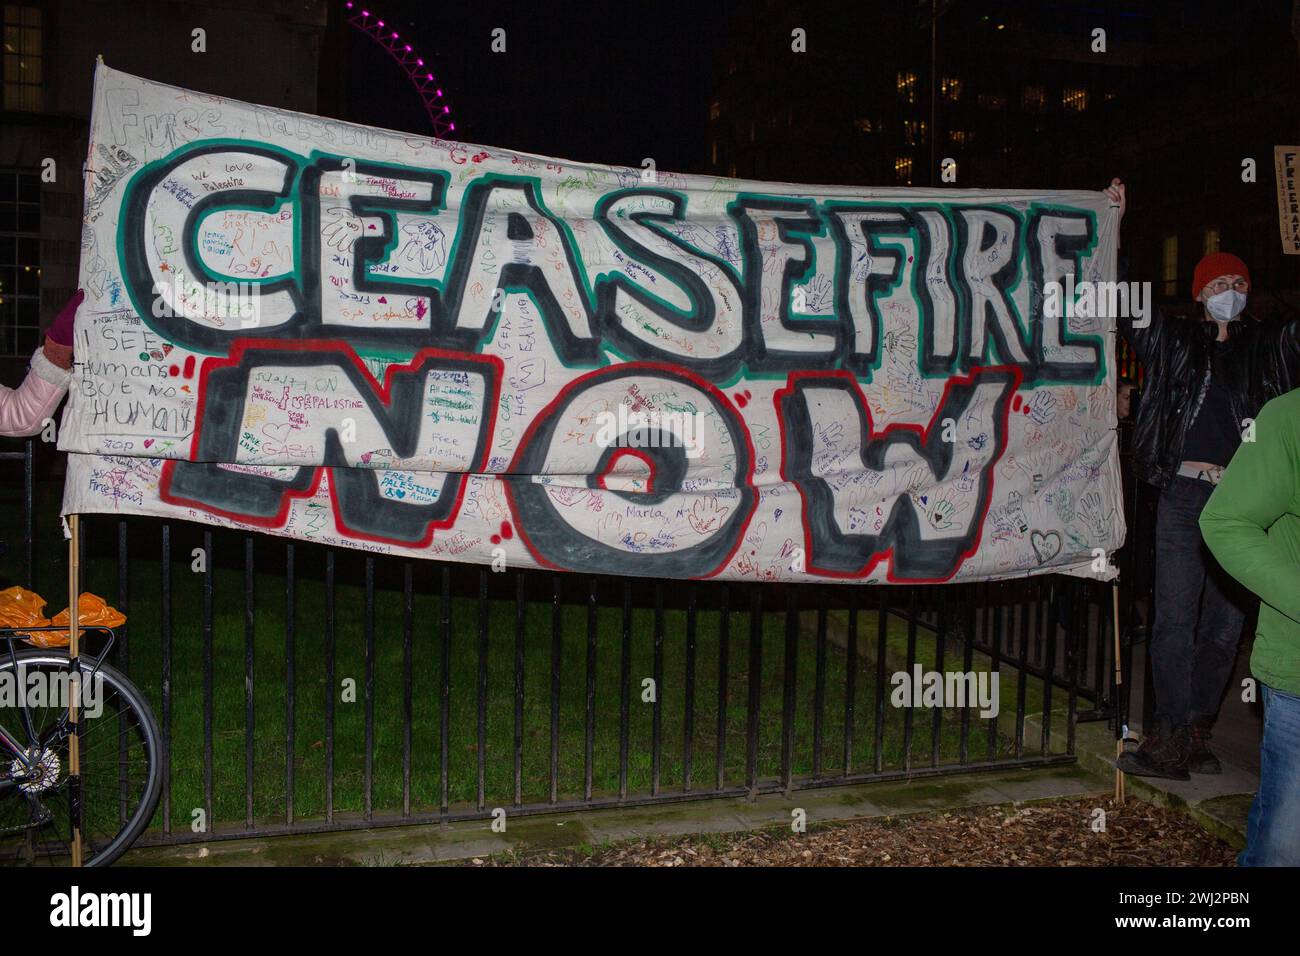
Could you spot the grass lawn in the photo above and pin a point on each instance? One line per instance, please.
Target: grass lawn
(270, 755)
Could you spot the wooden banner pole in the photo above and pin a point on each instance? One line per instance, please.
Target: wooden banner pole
(1119, 681)
(74, 737)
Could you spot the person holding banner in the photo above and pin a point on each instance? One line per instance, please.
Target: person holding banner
(1205, 382)
(23, 410)
(1252, 525)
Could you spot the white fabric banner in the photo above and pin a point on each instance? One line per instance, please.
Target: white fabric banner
(413, 346)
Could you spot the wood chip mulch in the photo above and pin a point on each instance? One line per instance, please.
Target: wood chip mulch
(1059, 833)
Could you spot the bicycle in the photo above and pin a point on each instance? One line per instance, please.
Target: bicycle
(120, 748)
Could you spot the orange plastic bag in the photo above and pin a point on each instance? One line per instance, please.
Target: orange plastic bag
(92, 610)
(20, 607)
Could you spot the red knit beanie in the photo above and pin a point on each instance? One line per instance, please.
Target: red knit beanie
(1214, 265)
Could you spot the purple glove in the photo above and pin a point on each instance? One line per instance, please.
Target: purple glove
(61, 330)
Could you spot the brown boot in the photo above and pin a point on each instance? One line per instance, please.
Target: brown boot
(1199, 757)
(1161, 754)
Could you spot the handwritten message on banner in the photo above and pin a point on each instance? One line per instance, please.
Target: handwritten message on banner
(419, 347)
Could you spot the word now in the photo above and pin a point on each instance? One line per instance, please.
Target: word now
(563, 445)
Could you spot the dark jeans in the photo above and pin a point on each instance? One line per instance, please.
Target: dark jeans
(1198, 614)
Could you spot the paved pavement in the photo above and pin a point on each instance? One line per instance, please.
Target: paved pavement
(1220, 801)
(439, 843)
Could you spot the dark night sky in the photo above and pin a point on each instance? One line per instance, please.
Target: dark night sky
(613, 83)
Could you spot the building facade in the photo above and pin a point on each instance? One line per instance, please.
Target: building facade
(266, 51)
(1173, 98)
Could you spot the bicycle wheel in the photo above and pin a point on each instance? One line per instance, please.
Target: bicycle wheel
(121, 766)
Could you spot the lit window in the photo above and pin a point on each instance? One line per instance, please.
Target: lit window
(1034, 98)
(950, 88)
(864, 125)
(914, 132)
(715, 110)
(1075, 98)
(903, 170)
(20, 262)
(959, 137)
(22, 58)
(907, 86)
(1211, 240)
(991, 101)
(1169, 265)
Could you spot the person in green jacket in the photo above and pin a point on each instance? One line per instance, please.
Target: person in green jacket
(1252, 526)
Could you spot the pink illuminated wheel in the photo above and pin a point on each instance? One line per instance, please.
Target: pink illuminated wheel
(361, 16)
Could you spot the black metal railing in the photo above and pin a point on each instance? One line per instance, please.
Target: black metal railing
(24, 458)
(534, 691)
(303, 688)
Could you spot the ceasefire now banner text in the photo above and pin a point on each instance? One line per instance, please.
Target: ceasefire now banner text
(376, 339)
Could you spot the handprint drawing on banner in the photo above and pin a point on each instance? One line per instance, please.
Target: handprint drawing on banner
(909, 481)
(340, 228)
(707, 514)
(716, 240)
(1096, 518)
(725, 244)
(830, 435)
(901, 341)
(1013, 469)
(1016, 511)
(1101, 401)
(861, 267)
(93, 264)
(424, 248)
(966, 480)
(1064, 502)
(1042, 408)
(817, 294)
(1043, 469)
(943, 514)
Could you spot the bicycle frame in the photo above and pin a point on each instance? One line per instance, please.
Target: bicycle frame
(60, 730)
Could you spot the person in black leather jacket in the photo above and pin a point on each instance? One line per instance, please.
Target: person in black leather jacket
(1205, 382)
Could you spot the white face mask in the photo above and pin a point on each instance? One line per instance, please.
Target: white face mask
(1226, 306)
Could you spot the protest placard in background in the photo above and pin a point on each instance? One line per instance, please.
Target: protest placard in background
(1285, 161)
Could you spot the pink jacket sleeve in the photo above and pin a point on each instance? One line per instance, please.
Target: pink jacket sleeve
(23, 410)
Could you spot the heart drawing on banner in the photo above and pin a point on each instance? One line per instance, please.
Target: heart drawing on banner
(1046, 546)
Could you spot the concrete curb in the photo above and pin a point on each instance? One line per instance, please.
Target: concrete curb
(1218, 806)
(436, 843)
